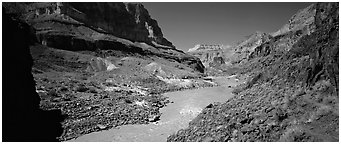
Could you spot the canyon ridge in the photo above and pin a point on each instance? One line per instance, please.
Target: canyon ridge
(93, 67)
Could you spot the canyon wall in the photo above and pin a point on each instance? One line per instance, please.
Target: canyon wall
(125, 20)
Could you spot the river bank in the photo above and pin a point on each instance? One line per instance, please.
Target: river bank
(183, 107)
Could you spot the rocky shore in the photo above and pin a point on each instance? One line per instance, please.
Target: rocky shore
(92, 104)
(289, 96)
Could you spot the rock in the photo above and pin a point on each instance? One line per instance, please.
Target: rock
(100, 64)
(128, 101)
(243, 50)
(304, 19)
(235, 133)
(134, 22)
(192, 61)
(141, 103)
(102, 127)
(200, 47)
(210, 55)
(208, 139)
(86, 27)
(289, 63)
(22, 118)
(209, 106)
(219, 57)
(155, 69)
(154, 118)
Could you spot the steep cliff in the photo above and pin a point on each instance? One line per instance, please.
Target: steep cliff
(217, 57)
(209, 54)
(22, 119)
(303, 19)
(299, 25)
(124, 20)
(245, 47)
(292, 95)
(200, 47)
(261, 44)
(122, 27)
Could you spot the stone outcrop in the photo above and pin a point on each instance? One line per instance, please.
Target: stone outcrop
(299, 25)
(261, 44)
(155, 69)
(218, 56)
(321, 47)
(100, 64)
(302, 20)
(212, 56)
(200, 47)
(207, 57)
(303, 23)
(244, 48)
(124, 20)
(22, 119)
(122, 27)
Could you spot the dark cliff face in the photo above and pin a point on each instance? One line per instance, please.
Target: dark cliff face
(93, 50)
(300, 56)
(318, 51)
(23, 120)
(100, 26)
(321, 47)
(124, 20)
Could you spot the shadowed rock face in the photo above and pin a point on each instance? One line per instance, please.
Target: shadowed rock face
(23, 120)
(121, 27)
(322, 47)
(124, 20)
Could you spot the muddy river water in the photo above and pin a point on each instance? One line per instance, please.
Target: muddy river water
(175, 116)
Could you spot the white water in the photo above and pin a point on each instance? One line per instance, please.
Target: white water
(175, 116)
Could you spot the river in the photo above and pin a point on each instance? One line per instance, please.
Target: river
(186, 105)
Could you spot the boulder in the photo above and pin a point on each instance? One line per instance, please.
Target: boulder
(100, 64)
(155, 69)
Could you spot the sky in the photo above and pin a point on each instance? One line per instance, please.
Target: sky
(186, 24)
